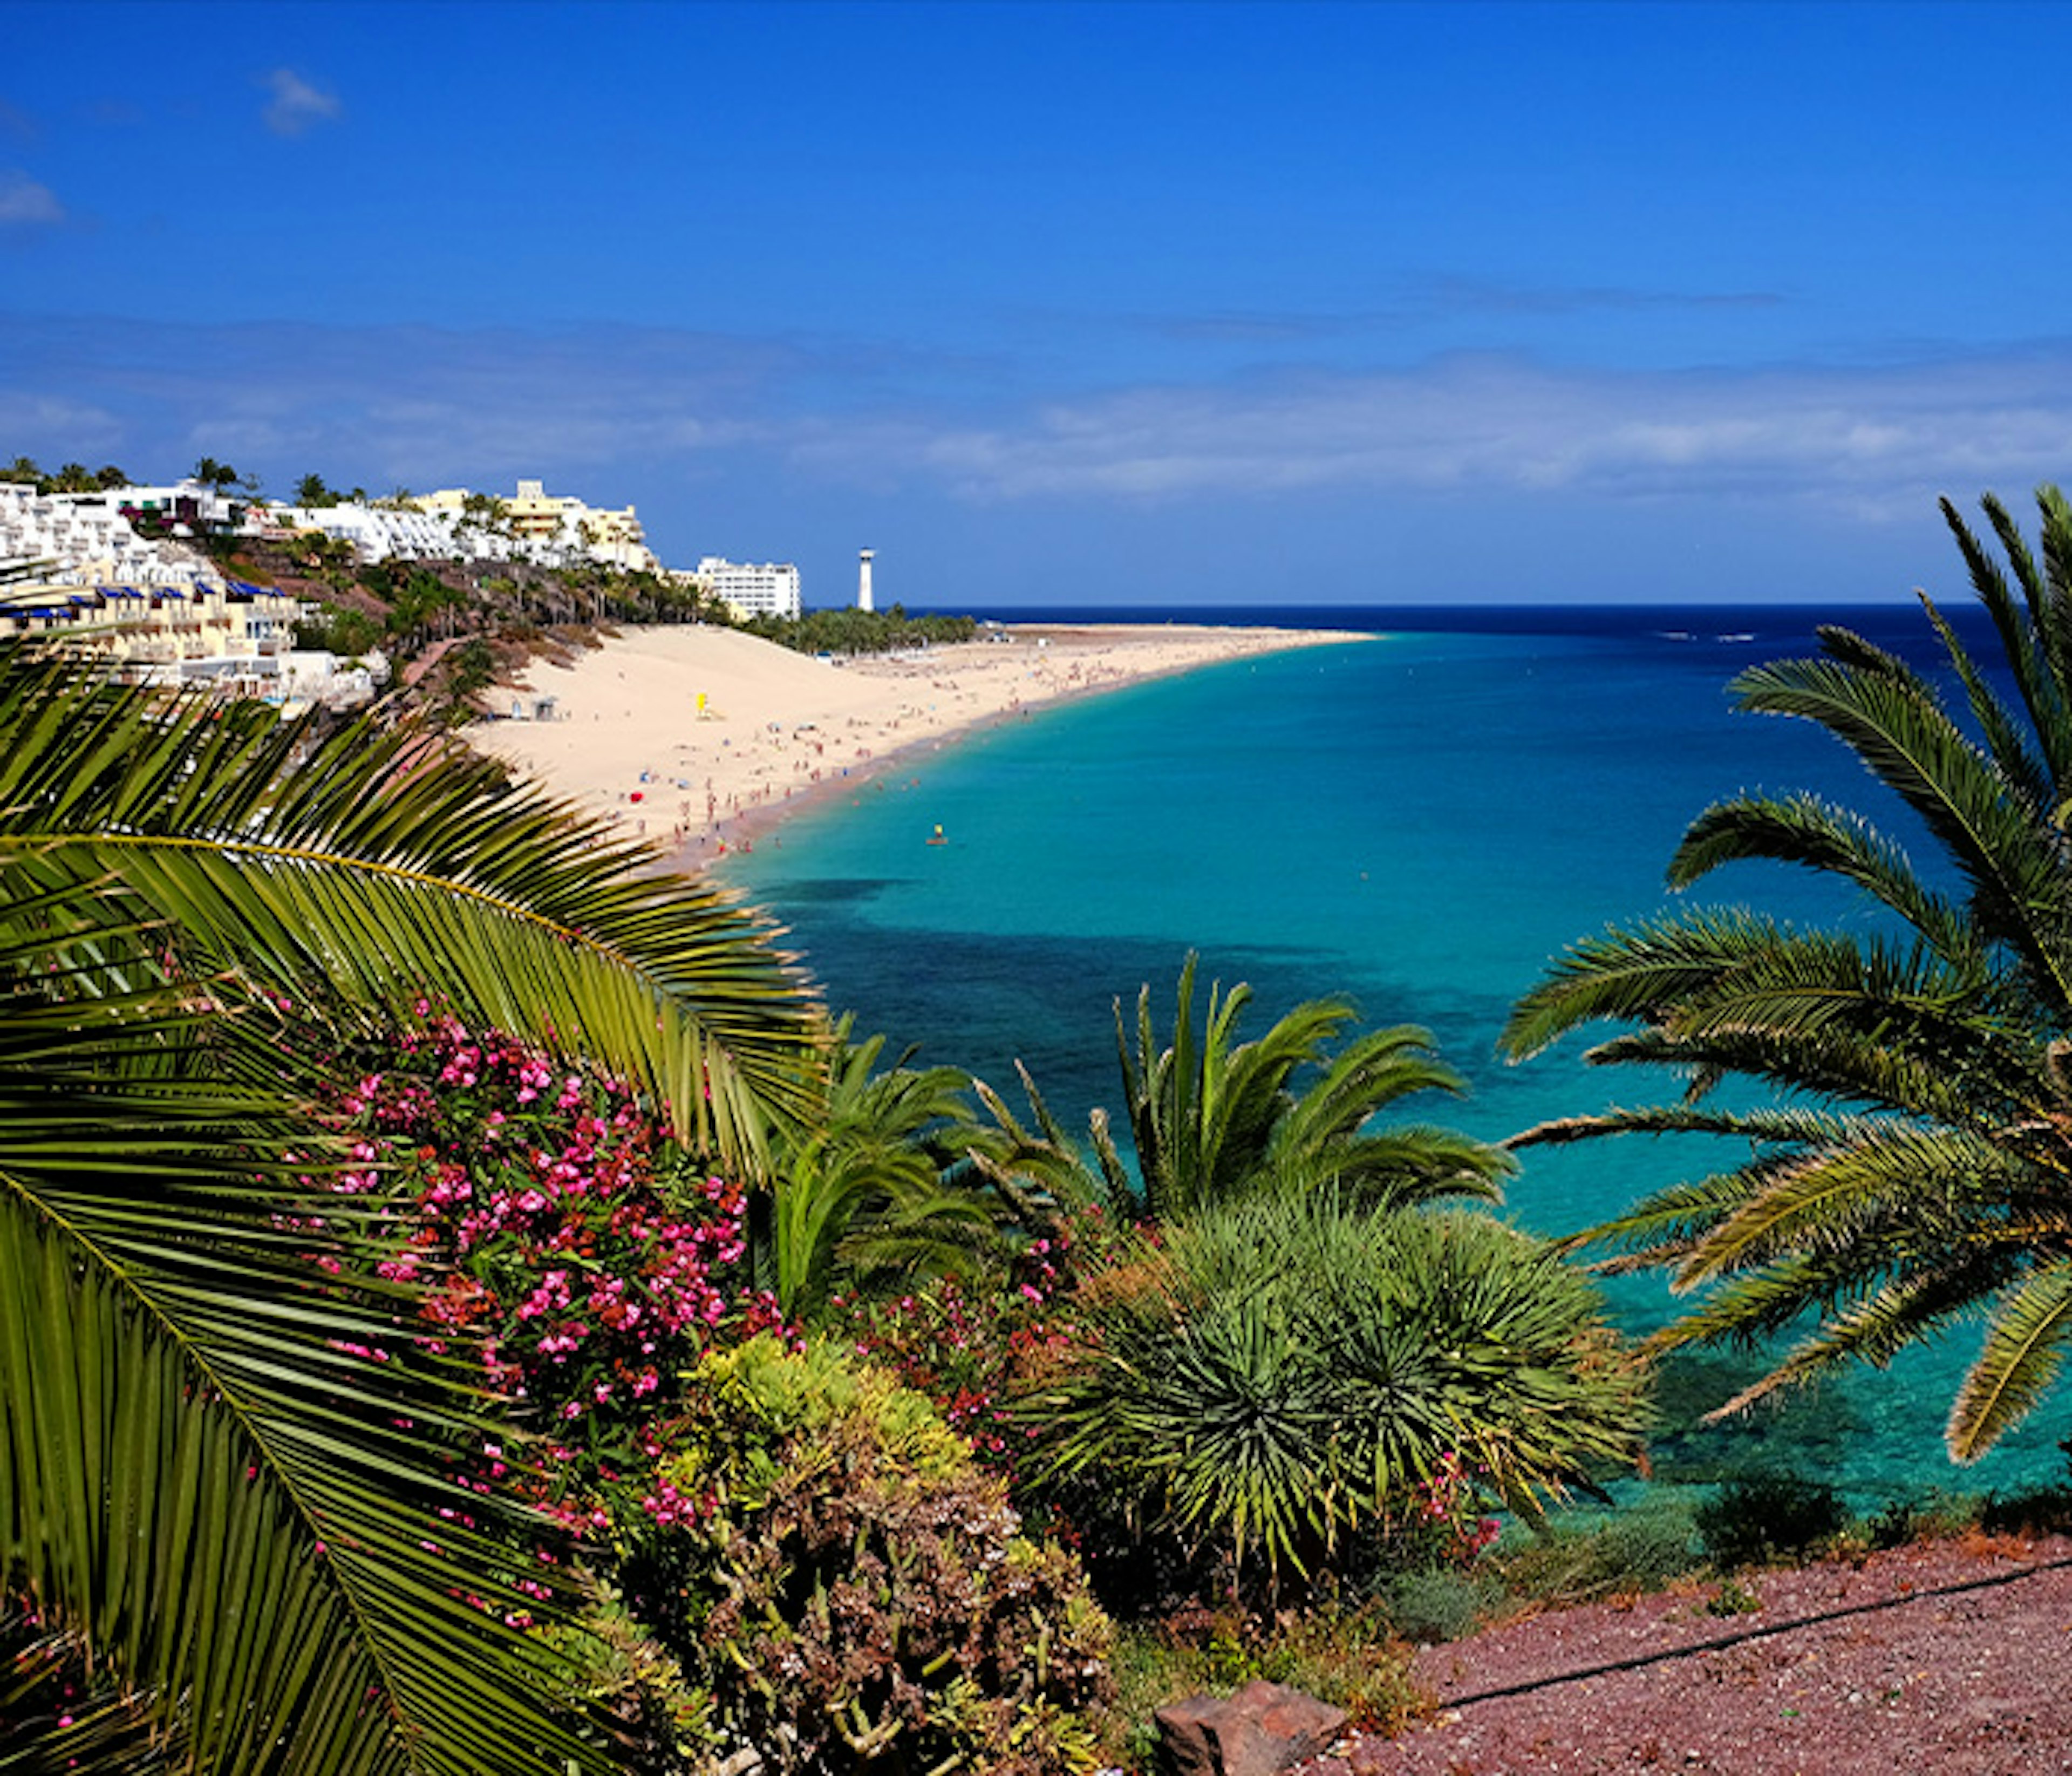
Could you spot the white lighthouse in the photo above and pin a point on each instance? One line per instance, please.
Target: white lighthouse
(863, 583)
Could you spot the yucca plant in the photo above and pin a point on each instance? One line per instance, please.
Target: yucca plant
(1272, 1374)
(1914, 1169)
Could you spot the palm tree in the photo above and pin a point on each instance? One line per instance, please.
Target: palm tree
(869, 1184)
(1213, 1118)
(375, 867)
(1916, 1168)
(201, 1483)
(203, 1488)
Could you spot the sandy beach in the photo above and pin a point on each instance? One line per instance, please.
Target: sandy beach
(699, 739)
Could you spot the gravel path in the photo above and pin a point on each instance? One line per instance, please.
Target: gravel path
(1947, 1657)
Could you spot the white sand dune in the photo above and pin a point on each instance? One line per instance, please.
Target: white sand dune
(698, 738)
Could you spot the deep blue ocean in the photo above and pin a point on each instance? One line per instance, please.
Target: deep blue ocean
(1421, 821)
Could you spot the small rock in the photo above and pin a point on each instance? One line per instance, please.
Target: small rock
(1259, 1731)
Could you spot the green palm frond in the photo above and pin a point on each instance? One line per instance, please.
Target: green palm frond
(1844, 1197)
(2024, 1349)
(1813, 834)
(202, 1482)
(1844, 1067)
(1722, 992)
(1325, 1132)
(375, 868)
(2011, 744)
(2030, 635)
(1409, 1164)
(889, 1173)
(1639, 973)
(1215, 1118)
(1870, 1320)
(61, 1715)
(1930, 1178)
(1910, 744)
(1044, 1167)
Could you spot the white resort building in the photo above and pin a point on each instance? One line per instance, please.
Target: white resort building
(86, 538)
(163, 611)
(748, 590)
(459, 525)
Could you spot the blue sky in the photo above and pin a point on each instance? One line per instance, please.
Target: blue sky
(1075, 303)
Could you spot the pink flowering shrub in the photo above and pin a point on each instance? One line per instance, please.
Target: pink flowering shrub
(971, 1348)
(542, 1207)
(963, 1348)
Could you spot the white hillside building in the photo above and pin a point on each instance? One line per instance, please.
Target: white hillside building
(86, 541)
(379, 533)
(456, 524)
(749, 591)
(558, 530)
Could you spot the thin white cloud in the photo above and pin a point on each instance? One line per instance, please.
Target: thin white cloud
(423, 407)
(26, 204)
(296, 104)
(1867, 438)
(59, 425)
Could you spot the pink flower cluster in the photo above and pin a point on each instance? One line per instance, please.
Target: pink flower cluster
(537, 1204)
(969, 1353)
(1446, 1505)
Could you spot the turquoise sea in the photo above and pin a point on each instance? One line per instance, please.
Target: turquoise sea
(1419, 821)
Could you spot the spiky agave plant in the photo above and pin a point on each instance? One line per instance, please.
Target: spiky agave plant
(1915, 1168)
(1273, 1373)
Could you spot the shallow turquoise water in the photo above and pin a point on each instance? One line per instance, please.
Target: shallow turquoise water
(1419, 821)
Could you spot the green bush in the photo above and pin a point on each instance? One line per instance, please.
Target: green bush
(1899, 1522)
(1766, 1516)
(1640, 1549)
(1325, 1386)
(845, 1590)
(1440, 1603)
(341, 630)
(1352, 1658)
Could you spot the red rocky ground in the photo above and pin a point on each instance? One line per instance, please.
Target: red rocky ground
(1945, 1657)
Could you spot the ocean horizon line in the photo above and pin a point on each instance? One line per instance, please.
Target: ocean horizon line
(1592, 617)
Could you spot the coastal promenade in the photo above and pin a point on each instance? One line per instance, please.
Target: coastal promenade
(698, 739)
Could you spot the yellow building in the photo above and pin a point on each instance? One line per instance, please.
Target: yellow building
(231, 634)
(554, 521)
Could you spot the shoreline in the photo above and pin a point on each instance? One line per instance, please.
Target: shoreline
(703, 742)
